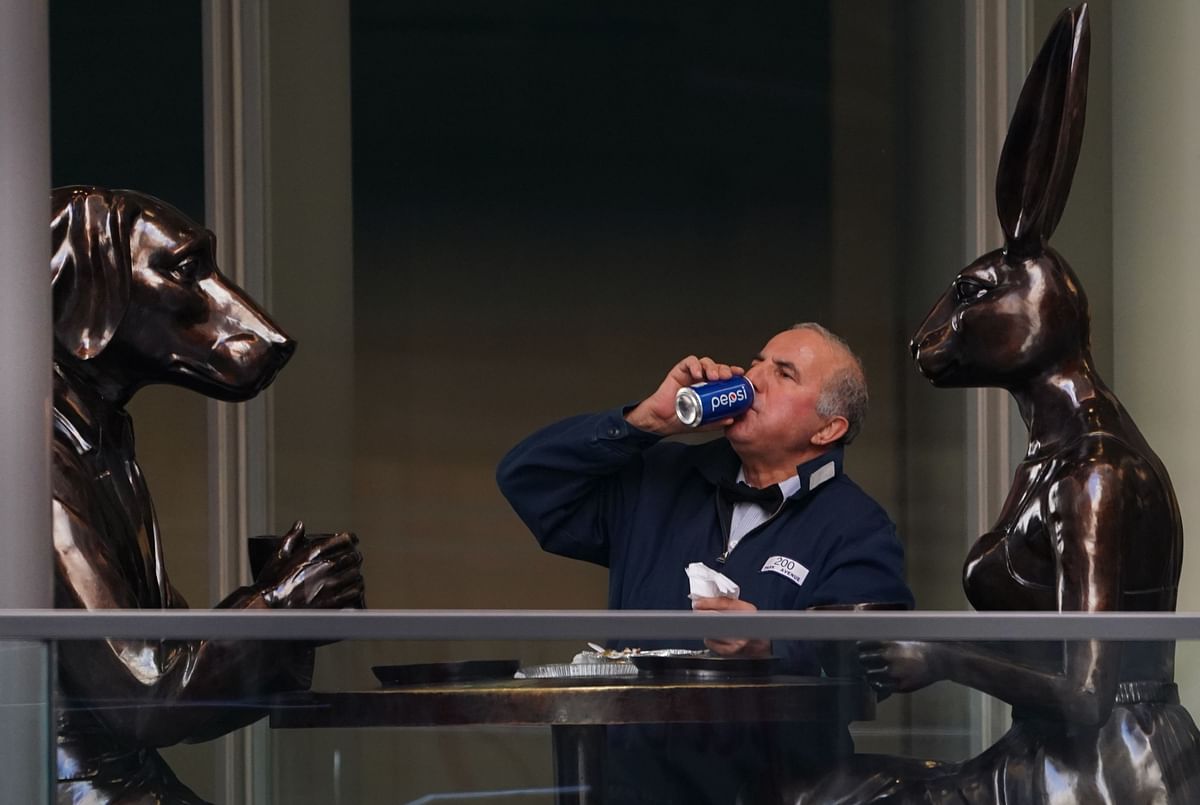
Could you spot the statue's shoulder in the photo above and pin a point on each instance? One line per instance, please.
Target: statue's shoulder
(1097, 446)
(1106, 460)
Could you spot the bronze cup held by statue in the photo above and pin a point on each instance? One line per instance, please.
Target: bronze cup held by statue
(262, 548)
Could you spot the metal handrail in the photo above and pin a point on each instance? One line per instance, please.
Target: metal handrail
(494, 624)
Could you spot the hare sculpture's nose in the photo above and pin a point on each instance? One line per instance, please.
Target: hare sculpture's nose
(914, 346)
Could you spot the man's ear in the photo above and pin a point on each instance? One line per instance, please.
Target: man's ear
(833, 430)
(89, 269)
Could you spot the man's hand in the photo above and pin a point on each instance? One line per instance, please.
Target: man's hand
(656, 413)
(729, 646)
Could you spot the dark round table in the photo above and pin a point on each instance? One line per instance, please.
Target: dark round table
(579, 709)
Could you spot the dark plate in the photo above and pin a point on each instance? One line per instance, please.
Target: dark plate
(705, 667)
(438, 672)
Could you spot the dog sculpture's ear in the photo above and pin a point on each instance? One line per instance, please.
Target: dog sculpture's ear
(90, 270)
(1038, 160)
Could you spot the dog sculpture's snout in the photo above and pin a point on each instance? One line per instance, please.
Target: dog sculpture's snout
(255, 326)
(279, 342)
(286, 349)
(274, 342)
(277, 346)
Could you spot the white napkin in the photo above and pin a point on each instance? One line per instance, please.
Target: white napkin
(708, 583)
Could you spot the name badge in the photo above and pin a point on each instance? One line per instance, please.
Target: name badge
(788, 568)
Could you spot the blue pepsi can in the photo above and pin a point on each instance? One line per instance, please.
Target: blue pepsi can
(710, 402)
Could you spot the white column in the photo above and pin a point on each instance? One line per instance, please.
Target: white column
(25, 327)
(25, 332)
(1156, 249)
(994, 40)
(239, 459)
(278, 197)
(310, 277)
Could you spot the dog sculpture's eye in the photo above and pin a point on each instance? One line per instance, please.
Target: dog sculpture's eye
(968, 290)
(185, 270)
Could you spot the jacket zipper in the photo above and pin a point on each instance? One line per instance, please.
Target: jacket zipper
(721, 559)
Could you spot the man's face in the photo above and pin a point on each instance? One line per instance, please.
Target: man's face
(788, 376)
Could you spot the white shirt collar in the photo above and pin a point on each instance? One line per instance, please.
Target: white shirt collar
(789, 486)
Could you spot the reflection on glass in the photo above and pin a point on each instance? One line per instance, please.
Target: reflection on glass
(572, 737)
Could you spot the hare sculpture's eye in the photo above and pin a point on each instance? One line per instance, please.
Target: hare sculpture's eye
(968, 290)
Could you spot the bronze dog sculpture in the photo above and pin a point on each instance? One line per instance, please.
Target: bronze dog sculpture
(139, 300)
(1091, 523)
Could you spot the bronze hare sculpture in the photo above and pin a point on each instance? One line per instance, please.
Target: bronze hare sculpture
(1091, 523)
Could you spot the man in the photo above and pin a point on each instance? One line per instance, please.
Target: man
(607, 489)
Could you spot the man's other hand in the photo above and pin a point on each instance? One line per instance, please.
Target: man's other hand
(730, 646)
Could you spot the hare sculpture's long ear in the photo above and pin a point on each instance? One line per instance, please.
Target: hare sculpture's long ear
(1038, 160)
(89, 269)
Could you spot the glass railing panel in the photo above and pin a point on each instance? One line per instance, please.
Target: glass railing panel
(560, 707)
(26, 721)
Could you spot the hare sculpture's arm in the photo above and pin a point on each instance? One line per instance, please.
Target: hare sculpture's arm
(1084, 516)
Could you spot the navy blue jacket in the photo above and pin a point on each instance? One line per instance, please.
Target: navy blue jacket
(594, 487)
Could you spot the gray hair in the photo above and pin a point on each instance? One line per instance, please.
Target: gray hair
(845, 391)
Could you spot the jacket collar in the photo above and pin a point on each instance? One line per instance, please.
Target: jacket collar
(716, 461)
(821, 469)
